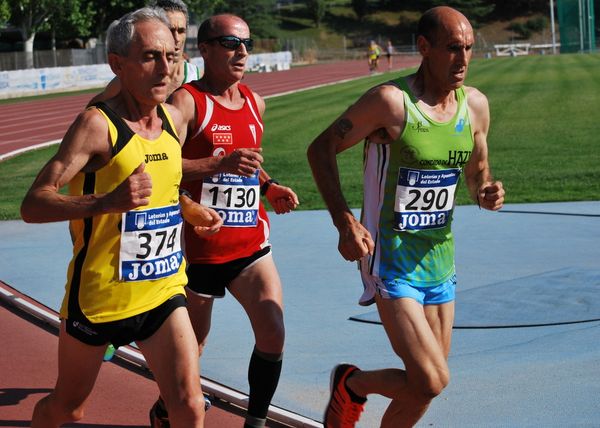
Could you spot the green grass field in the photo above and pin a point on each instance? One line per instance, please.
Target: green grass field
(544, 140)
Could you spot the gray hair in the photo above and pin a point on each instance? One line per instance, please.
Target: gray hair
(172, 6)
(121, 32)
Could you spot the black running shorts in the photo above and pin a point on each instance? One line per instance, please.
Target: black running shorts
(127, 330)
(212, 280)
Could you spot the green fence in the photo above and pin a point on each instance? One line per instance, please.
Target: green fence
(576, 20)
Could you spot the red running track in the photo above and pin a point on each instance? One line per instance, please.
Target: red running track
(28, 123)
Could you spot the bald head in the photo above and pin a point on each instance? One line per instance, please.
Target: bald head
(215, 26)
(441, 18)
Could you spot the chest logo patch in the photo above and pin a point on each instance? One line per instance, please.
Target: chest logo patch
(222, 138)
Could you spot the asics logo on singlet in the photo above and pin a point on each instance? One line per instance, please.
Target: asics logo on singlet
(217, 127)
(155, 157)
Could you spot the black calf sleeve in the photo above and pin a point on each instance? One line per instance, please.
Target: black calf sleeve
(263, 377)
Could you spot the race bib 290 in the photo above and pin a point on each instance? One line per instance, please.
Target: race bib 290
(424, 198)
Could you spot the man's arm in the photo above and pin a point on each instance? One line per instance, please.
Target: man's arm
(281, 198)
(185, 111)
(112, 90)
(193, 169)
(487, 192)
(206, 221)
(379, 112)
(85, 147)
(242, 161)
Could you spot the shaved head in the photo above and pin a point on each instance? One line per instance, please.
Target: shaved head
(214, 25)
(440, 18)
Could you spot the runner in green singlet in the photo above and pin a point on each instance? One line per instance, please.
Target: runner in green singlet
(423, 132)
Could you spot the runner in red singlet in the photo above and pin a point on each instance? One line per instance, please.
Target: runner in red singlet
(222, 163)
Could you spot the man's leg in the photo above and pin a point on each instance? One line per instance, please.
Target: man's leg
(200, 310)
(78, 367)
(423, 350)
(258, 289)
(441, 319)
(172, 355)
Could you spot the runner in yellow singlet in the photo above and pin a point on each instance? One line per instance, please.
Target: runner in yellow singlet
(122, 162)
(373, 54)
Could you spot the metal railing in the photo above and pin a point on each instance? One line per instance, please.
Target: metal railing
(51, 58)
(302, 50)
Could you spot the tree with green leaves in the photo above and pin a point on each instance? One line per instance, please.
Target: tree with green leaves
(510, 9)
(258, 14)
(476, 11)
(316, 10)
(361, 8)
(106, 11)
(65, 17)
(4, 13)
(70, 19)
(29, 17)
(202, 9)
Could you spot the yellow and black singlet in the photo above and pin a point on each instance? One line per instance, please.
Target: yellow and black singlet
(127, 264)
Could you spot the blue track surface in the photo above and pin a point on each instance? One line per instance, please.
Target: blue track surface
(530, 264)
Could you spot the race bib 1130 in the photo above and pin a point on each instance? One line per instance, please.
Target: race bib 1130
(234, 197)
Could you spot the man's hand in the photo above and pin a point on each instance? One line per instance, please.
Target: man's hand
(491, 196)
(133, 192)
(206, 221)
(355, 241)
(281, 198)
(243, 162)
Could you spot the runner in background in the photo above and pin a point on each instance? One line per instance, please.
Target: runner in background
(389, 51)
(373, 54)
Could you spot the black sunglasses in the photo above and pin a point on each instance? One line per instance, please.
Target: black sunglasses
(233, 42)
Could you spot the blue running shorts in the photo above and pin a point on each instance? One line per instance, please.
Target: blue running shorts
(436, 295)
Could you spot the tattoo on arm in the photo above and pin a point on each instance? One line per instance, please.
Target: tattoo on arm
(342, 127)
